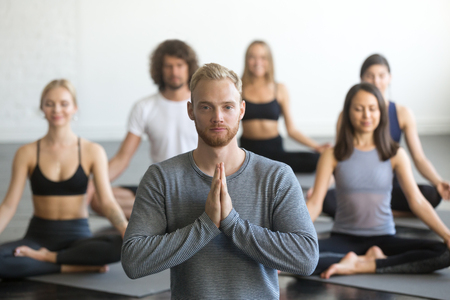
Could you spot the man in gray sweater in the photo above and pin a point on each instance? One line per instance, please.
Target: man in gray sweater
(222, 218)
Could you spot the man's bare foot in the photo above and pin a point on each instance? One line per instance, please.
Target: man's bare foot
(84, 269)
(42, 254)
(375, 252)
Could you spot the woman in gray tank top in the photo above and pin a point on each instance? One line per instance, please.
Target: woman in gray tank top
(363, 162)
(376, 70)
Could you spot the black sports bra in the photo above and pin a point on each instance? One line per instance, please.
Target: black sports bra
(75, 185)
(269, 111)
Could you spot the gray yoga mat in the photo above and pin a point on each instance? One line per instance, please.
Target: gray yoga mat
(430, 286)
(434, 285)
(115, 281)
(325, 225)
(414, 222)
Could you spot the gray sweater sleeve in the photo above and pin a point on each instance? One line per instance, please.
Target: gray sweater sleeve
(147, 248)
(291, 244)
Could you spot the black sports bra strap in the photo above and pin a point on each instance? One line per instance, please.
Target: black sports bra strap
(37, 154)
(79, 151)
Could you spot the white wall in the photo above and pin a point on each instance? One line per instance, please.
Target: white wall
(102, 46)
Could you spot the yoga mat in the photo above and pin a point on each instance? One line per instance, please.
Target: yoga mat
(414, 222)
(430, 286)
(323, 226)
(115, 281)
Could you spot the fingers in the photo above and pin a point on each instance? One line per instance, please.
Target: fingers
(223, 178)
(447, 191)
(444, 190)
(218, 204)
(215, 184)
(225, 200)
(216, 175)
(18, 252)
(212, 205)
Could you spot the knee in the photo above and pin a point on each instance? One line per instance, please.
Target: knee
(114, 248)
(329, 204)
(440, 248)
(431, 194)
(310, 162)
(314, 158)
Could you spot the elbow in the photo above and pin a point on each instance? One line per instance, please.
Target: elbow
(291, 132)
(419, 204)
(313, 259)
(122, 160)
(308, 257)
(129, 271)
(310, 268)
(137, 259)
(314, 209)
(421, 163)
(128, 263)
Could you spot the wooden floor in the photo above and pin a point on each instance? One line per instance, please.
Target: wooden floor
(436, 148)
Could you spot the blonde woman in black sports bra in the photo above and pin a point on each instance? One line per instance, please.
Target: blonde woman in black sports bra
(265, 101)
(58, 165)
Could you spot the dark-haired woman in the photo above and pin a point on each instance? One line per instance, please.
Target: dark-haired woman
(376, 70)
(58, 239)
(265, 101)
(363, 162)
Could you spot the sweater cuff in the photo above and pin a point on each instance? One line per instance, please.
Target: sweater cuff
(227, 223)
(209, 224)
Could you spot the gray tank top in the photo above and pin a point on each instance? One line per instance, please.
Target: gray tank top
(363, 193)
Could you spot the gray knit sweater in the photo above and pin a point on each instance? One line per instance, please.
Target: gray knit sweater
(269, 228)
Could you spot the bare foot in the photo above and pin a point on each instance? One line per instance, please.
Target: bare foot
(42, 254)
(375, 252)
(84, 269)
(346, 266)
(353, 264)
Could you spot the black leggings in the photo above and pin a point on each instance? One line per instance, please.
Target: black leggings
(132, 188)
(300, 162)
(71, 239)
(411, 256)
(398, 198)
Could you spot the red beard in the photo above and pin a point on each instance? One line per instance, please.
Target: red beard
(216, 140)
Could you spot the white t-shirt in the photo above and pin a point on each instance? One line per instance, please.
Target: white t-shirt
(167, 125)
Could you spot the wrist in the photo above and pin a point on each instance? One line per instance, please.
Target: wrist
(436, 182)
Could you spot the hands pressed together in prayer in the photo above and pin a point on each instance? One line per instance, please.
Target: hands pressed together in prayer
(218, 204)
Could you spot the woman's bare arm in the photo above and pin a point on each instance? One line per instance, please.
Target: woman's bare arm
(109, 206)
(19, 176)
(417, 202)
(325, 167)
(423, 165)
(293, 132)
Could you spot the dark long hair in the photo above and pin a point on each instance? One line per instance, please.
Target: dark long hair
(175, 48)
(385, 145)
(374, 59)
